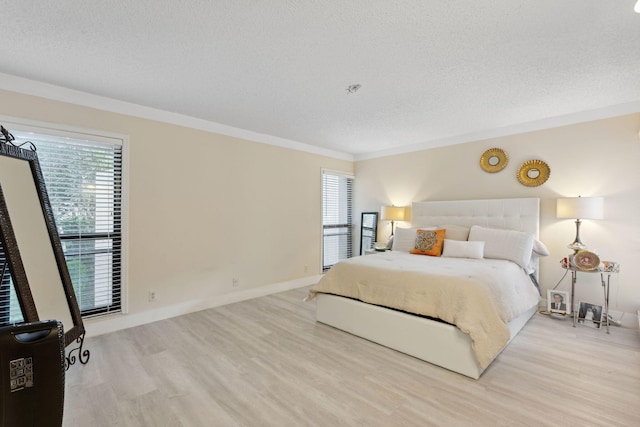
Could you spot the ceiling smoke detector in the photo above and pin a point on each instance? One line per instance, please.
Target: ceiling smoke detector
(353, 88)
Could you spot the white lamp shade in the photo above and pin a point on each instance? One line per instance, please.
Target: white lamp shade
(580, 208)
(392, 213)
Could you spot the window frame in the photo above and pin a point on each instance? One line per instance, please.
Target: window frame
(351, 226)
(22, 126)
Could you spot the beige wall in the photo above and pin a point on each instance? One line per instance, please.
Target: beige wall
(597, 158)
(204, 208)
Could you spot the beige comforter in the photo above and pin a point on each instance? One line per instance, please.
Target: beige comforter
(478, 296)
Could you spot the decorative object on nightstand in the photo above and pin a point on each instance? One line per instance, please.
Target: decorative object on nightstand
(604, 268)
(579, 208)
(392, 213)
(493, 160)
(585, 260)
(381, 247)
(378, 248)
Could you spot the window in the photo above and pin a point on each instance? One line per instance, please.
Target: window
(10, 311)
(337, 223)
(84, 184)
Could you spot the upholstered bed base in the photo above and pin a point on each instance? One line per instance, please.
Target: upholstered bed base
(435, 342)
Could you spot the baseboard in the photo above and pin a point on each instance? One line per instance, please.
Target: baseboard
(116, 322)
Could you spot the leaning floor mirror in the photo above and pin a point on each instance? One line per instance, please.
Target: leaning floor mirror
(34, 272)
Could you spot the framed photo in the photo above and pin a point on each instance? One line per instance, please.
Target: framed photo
(590, 315)
(558, 302)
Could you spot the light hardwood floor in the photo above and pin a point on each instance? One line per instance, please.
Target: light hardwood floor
(266, 362)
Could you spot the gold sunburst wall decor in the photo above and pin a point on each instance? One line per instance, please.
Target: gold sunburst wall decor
(533, 173)
(493, 160)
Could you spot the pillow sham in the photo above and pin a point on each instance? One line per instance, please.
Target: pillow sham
(540, 248)
(462, 249)
(511, 245)
(428, 242)
(455, 232)
(404, 239)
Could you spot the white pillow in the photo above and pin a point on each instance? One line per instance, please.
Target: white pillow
(404, 239)
(455, 232)
(511, 245)
(463, 249)
(540, 248)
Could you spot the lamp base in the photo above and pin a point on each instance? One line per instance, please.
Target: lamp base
(577, 246)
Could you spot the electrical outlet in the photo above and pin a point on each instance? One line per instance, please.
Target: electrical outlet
(306, 268)
(234, 281)
(152, 296)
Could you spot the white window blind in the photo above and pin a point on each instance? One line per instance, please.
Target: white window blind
(84, 185)
(10, 311)
(337, 218)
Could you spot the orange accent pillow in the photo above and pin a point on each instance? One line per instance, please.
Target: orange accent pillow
(429, 242)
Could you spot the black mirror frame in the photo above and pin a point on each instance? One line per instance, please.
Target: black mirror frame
(12, 252)
(374, 230)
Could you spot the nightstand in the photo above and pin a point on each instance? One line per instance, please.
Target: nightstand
(605, 268)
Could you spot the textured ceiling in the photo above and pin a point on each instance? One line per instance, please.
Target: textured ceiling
(429, 70)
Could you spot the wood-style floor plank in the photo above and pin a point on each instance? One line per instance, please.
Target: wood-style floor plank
(266, 362)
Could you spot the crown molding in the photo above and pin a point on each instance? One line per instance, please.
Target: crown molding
(58, 93)
(547, 123)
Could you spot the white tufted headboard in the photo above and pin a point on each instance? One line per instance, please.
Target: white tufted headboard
(515, 214)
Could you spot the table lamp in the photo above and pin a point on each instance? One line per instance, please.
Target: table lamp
(392, 213)
(579, 208)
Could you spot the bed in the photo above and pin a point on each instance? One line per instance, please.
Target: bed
(460, 348)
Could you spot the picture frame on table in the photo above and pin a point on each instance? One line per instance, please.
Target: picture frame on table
(590, 315)
(558, 302)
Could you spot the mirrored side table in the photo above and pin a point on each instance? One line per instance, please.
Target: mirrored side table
(606, 268)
